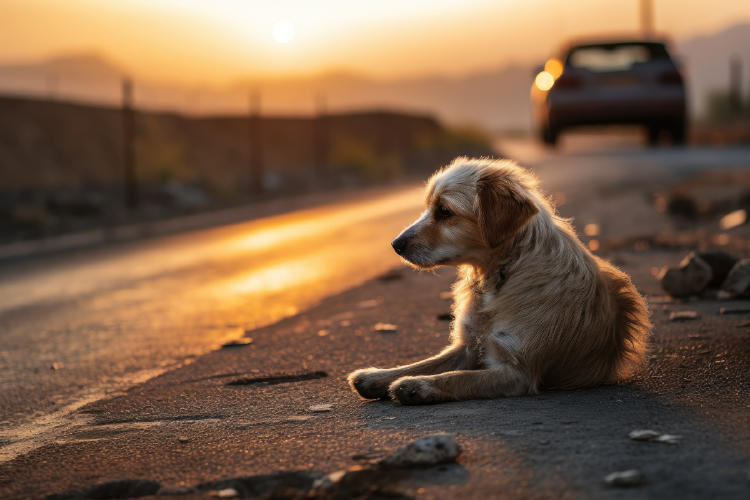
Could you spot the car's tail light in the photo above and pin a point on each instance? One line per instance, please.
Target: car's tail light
(568, 82)
(671, 78)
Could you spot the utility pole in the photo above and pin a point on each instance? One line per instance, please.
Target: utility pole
(128, 144)
(256, 143)
(735, 85)
(320, 135)
(647, 17)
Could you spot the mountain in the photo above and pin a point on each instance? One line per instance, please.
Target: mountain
(707, 59)
(495, 99)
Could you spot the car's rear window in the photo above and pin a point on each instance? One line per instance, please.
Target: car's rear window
(615, 57)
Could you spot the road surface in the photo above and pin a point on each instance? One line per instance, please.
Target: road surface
(84, 325)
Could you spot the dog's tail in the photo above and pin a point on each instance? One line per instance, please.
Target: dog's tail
(632, 325)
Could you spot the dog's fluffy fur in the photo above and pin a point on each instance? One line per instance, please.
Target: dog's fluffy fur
(533, 307)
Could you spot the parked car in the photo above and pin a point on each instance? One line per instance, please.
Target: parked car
(613, 82)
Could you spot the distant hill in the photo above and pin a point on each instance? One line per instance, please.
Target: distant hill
(707, 62)
(495, 99)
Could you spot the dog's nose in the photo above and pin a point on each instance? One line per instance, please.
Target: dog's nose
(399, 244)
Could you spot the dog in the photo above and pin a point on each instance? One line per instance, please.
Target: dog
(533, 308)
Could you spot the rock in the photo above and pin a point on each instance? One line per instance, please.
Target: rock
(683, 315)
(690, 278)
(643, 435)
(720, 262)
(358, 482)
(225, 493)
(681, 205)
(668, 438)
(738, 281)
(735, 310)
(183, 439)
(321, 408)
(385, 328)
(237, 343)
(653, 436)
(429, 450)
(625, 478)
(55, 366)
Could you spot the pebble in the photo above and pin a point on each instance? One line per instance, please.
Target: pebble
(738, 280)
(429, 450)
(654, 436)
(625, 478)
(225, 493)
(683, 315)
(385, 328)
(183, 439)
(321, 408)
(643, 435)
(690, 278)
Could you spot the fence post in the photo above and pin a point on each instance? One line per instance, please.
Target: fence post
(128, 144)
(735, 84)
(256, 143)
(320, 135)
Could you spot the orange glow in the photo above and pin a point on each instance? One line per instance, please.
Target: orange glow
(222, 40)
(544, 81)
(554, 67)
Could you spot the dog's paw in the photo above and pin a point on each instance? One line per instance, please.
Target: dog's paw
(369, 383)
(412, 391)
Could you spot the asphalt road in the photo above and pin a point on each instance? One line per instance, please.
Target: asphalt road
(84, 325)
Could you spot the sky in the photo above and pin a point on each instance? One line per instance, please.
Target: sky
(218, 41)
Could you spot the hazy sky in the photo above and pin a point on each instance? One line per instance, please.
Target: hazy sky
(219, 40)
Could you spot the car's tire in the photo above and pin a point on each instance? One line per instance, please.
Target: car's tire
(550, 135)
(678, 133)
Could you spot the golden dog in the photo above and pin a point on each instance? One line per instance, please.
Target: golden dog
(533, 307)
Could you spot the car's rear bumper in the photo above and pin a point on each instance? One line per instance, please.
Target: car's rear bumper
(599, 108)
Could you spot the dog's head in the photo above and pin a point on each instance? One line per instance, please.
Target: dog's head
(473, 206)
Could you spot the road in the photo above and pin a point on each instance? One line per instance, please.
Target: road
(80, 326)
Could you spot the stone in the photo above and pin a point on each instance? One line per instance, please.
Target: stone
(643, 435)
(690, 278)
(625, 478)
(683, 315)
(225, 493)
(321, 408)
(737, 283)
(668, 439)
(385, 328)
(429, 450)
(720, 262)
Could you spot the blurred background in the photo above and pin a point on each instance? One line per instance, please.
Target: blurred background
(121, 111)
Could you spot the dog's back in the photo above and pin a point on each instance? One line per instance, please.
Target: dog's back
(614, 343)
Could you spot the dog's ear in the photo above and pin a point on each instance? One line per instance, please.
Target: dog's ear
(501, 208)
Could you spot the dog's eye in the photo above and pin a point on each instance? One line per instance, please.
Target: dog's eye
(442, 212)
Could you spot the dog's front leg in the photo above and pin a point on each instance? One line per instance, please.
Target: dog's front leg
(460, 385)
(373, 383)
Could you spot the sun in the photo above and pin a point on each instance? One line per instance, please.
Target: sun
(283, 31)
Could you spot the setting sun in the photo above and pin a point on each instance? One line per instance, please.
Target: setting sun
(283, 31)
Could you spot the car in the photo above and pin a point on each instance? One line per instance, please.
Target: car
(622, 81)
